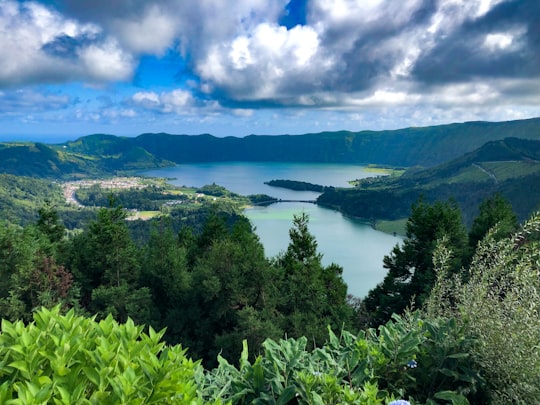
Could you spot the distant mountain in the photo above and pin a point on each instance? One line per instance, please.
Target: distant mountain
(91, 156)
(510, 167)
(101, 154)
(425, 147)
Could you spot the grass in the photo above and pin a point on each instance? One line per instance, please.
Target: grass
(144, 215)
(507, 170)
(397, 226)
(384, 170)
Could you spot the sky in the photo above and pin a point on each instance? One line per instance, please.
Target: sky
(70, 68)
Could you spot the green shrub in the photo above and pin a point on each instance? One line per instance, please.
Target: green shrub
(69, 359)
(499, 304)
(425, 362)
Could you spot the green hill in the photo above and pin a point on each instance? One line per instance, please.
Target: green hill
(510, 167)
(21, 197)
(101, 154)
(91, 156)
(407, 147)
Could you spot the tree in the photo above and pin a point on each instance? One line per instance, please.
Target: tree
(232, 294)
(411, 275)
(165, 272)
(313, 296)
(494, 211)
(104, 253)
(105, 262)
(49, 223)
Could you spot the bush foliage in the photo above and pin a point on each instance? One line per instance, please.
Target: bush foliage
(67, 359)
(498, 303)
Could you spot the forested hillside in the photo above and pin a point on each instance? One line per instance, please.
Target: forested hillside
(405, 147)
(427, 146)
(47, 161)
(510, 167)
(100, 154)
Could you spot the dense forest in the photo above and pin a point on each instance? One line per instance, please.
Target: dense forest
(213, 292)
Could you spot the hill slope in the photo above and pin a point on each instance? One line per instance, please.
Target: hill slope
(101, 154)
(89, 157)
(510, 167)
(426, 147)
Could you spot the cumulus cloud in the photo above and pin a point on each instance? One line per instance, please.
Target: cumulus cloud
(245, 55)
(178, 101)
(40, 45)
(261, 65)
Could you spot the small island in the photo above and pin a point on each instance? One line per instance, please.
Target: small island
(298, 185)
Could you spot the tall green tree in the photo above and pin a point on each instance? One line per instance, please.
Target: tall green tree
(49, 223)
(494, 211)
(165, 272)
(105, 262)
(232, 295)
(313, 296)
(411, 275)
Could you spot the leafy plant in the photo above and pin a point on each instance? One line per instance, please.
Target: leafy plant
(499, 304)
(424, 361)
(67, 359)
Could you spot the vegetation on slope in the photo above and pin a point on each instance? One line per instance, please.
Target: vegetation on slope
(510, 167)
(62, 162)
(407, 147)
(474, 342)
(99, 154)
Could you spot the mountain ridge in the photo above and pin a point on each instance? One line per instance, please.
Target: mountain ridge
(105, 154)
(424, 146)
(510, 167)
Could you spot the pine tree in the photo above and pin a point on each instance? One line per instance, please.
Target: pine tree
(411, 275)
(313, 296)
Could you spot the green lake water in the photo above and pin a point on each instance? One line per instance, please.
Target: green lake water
(354, 245)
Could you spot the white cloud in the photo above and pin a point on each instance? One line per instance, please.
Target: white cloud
(40, 45)
(254, 66)
(503, 41)
(106, 62)
(151, 32)
(146, 97)
(177, 101)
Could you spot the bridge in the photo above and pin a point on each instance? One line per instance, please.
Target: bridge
(267, 202)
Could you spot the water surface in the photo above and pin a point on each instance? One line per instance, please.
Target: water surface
(354, 245)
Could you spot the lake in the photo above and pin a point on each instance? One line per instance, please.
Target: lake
(354, 245)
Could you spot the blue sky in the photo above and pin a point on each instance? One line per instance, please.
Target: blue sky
(76, 67)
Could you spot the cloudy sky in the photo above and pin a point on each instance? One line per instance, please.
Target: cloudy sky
(75, 67)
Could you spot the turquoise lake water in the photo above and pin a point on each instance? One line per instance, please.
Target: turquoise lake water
(354, 245)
